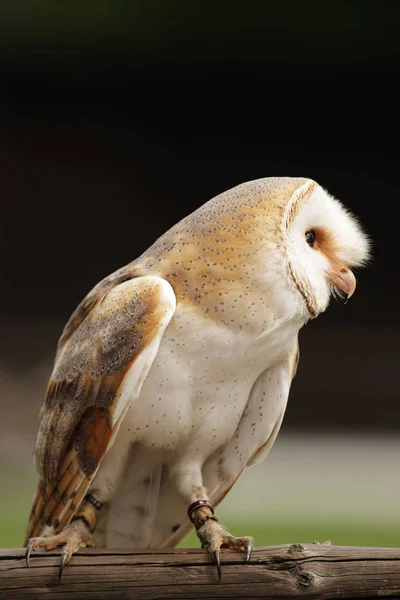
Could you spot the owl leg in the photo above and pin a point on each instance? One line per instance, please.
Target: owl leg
(212, 535)
(78, 534)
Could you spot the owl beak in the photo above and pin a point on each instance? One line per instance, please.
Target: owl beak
(344, 279)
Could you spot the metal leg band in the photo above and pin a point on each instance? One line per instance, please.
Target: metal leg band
(199, 504)
(93, 500)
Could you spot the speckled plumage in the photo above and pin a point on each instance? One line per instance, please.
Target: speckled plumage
(174, 372)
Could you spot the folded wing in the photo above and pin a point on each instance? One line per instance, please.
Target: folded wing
(104, 355)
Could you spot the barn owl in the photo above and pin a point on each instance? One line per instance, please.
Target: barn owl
(173, 373)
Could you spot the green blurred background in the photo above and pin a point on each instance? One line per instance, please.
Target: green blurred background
(336, 487)
(117, 119)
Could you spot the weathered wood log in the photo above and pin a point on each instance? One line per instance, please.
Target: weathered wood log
(298, 571)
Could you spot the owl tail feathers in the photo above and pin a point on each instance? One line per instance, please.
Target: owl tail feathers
(56, 501)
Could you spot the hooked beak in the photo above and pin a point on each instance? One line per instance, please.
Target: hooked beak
(344, 279)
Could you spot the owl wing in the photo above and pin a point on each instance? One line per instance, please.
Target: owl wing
(253, 439)
(103, 358)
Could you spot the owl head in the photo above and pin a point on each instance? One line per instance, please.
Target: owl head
(323, 242)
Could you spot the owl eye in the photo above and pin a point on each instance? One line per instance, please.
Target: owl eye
(310, 237)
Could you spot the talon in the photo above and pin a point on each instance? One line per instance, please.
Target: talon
(76, 535)
(249, 550)
(65, 558)
(28, 553)
(217, 556)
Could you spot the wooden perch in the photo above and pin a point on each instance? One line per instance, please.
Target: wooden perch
(296, 571)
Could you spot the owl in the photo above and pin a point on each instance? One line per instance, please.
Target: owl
(173, 373)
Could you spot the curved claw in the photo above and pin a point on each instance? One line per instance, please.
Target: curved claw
(28, 553)
(65, 558)
(217, 556)
(249, 550)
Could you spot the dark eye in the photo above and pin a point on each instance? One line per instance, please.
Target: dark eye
(310, 237)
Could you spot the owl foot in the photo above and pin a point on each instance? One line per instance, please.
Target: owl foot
(213, 536)
(76, 535)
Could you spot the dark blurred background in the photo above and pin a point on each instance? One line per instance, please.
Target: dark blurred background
(118, 119)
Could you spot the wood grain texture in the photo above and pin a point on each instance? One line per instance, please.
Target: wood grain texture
(298, 571)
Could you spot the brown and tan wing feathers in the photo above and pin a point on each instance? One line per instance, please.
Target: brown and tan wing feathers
(86, 399)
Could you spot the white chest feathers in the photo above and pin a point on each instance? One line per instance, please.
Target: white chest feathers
(200, 382)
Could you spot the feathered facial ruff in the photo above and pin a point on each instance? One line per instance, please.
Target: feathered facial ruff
(324, 242)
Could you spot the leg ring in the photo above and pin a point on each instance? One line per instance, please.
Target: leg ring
(199, 504)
